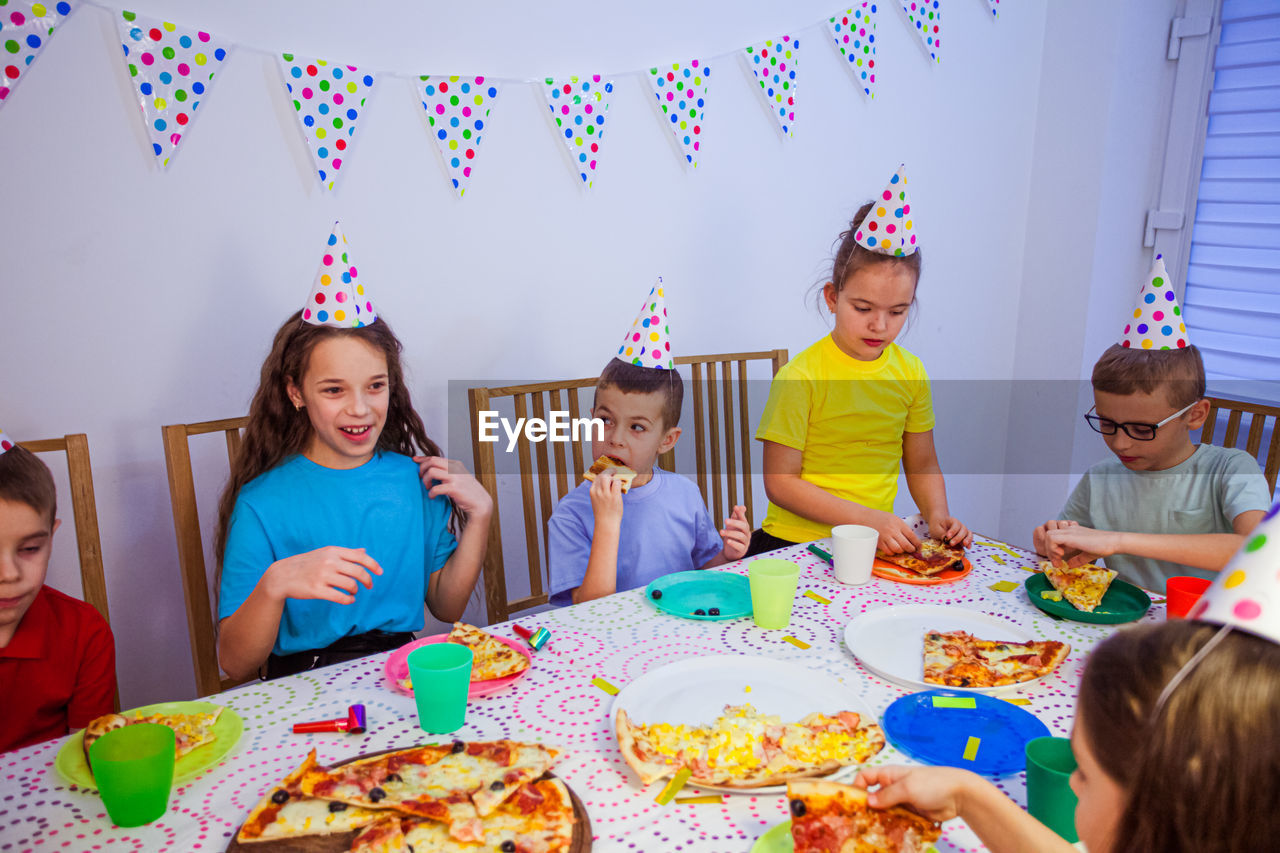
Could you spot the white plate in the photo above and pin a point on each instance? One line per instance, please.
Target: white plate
(694, 692)
(890, 641)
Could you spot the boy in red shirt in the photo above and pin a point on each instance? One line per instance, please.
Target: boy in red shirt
(57, 655)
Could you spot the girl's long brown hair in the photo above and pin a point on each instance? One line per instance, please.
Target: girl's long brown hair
(276, 430)
(1202, 774)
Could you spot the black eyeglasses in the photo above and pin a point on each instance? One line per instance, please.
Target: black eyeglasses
(1138, 432)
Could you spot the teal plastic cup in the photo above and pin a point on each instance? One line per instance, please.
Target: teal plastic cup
(1050, 799)
(133, 768)
(773, 591)
(441, 674)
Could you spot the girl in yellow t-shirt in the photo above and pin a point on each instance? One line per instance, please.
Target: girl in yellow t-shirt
(844, 413)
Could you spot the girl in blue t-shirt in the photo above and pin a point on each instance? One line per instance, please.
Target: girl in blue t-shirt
(339, 518)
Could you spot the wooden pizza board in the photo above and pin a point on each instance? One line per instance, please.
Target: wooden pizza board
(341, 842)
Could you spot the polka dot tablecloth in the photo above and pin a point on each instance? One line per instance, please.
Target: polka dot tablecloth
(618, 638)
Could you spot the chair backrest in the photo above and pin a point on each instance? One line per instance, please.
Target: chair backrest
(186, 526)
(85, 511)
(1258, 417)
(721, 437)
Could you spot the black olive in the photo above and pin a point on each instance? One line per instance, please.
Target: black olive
(337, 807)
(393, 777)
(656, 594)
(715, 611)
(496, 785)
(280, 797)
(797, 808)
(458, 746)
(508, 846)
(699, 612)
(376, 794)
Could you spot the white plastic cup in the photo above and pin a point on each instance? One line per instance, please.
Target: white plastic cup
(853, 550)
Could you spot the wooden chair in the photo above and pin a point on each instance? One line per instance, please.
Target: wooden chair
(186, 525)
(1258, 417)
(718, 413)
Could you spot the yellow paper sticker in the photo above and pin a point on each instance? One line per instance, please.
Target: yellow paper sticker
(704, 798)
(605, 686)
(998, 559)
(674, 786)
(811, 594)
(971, 749)
(799, 644)
(1004, 586)
(1018, 700)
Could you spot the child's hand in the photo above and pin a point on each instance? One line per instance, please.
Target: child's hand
(1038, 535)
(896, 536)
(951, 531)
(606, 499)
(452, 480)
(330, 573)
(736, 535)
(935, 792)
(1076, 545)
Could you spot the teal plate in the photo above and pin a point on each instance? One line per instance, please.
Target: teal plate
(1123, 602)
(681, 593)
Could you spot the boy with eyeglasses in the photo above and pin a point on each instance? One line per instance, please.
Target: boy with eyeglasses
(1164, 506)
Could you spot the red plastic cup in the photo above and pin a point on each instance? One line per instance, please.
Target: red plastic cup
(1182, 593)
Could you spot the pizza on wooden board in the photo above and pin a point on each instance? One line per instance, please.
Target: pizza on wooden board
(747, 749)
(827, 817)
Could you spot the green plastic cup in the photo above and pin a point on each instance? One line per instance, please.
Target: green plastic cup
(441, 674)
(773, 590)
(133, 768)
(1050, 799)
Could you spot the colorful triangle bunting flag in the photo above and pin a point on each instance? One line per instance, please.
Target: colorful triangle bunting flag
(854, 35)
(926, 19)
(329, 100)
(578, 106)
(995, 7)
(172, 69)
(25, 28)
(458, 112)
(682, 96)
(774, 64)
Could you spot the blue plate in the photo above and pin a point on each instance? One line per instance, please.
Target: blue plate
(681, 593)
(935, 734)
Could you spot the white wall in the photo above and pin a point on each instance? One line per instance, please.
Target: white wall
(134, 299)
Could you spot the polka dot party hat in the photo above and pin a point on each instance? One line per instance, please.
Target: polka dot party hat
(458, 111)
(889, 226)
(1246, 594)
(578, 106)
(25, 28)
(6, 443)
(1156, 322)
(773, 63)
(172, 68)
(648, 342)
(682, 98)
(338, 298)
(854, 35)
(926, 19)
(329, 100)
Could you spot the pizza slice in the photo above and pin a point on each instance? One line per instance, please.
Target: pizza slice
(1083, 587)
(827, 817)
(537, 818)
(286, 812)
(932, 557)
(191, 731)
(616, 467)
(959, 659)
(384, 835)
(493, 658)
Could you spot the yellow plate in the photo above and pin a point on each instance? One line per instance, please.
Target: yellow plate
(73, 767)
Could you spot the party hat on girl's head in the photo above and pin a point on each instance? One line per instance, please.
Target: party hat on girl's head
(5, 442)
(1246, 594)
(1157, 318)
(648, 343)
(888, 228)
(338, 298)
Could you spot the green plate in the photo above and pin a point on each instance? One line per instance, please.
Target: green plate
(778, 840)
(73, 767)
(1123, 602)
(701, 589)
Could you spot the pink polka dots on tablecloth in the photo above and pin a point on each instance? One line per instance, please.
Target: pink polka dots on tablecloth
(23, 35)
(328, 100)
(773, 63)
(854, 35)
(681, 92)
(578, 107)
(171, 68)
(457, 110)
